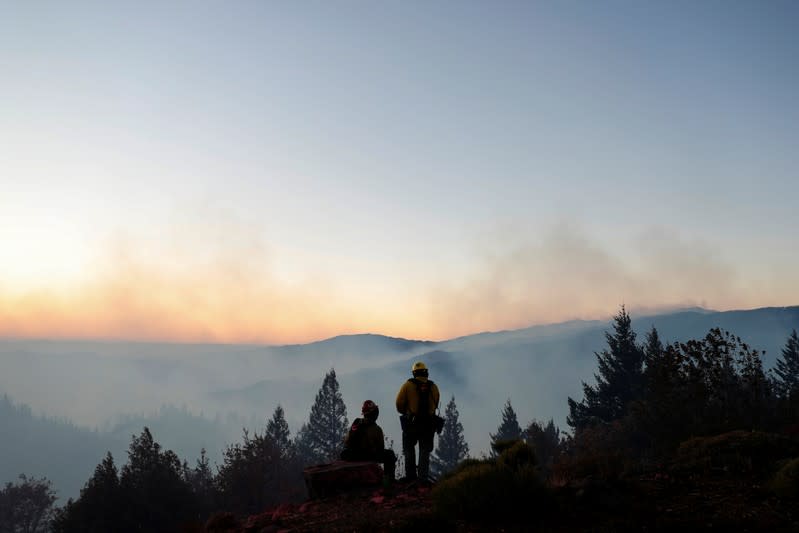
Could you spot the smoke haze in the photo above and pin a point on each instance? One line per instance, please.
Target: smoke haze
(566, 275)
(218, 281)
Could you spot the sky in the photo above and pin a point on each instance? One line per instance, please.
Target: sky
(283, 172)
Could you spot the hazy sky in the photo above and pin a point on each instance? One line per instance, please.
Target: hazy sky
(287, 171)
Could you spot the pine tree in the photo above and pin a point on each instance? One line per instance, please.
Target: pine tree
(653, 348)
(661, 415)
(253, 476)
(755, 387)
(545, 440)
(508, 429)
(662, 384)
(277, 429)
(452, 447)
(303, 448)
(99, 505)
(720, 386)
(202, 484)
(328, 423)
(157, 495)
(787, 369)
(618, 382)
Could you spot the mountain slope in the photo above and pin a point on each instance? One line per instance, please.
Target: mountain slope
(536, 368)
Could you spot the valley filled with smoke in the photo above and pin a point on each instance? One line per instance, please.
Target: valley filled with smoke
(68, 402)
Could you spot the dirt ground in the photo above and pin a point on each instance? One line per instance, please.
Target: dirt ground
(644, 504)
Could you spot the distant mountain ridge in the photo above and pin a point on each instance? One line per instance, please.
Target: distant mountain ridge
(537, 368)
(361, 343)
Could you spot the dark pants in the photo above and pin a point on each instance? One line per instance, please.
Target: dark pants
(424, 436)
(387, 457)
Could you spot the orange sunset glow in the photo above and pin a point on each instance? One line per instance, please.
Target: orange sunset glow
(233, 293)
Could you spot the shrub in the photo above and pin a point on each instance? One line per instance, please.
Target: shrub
(734, 452)
(471, 492)
(465, 465)
(517, 456)
(785, 482)
(503, 491)
(601, 451)
(501, 445)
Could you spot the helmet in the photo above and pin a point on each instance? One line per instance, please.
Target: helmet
(370, 410)
(419, 369)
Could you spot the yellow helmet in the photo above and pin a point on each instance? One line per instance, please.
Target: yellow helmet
(418, 365)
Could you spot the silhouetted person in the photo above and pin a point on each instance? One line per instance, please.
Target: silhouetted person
(364, 441)
(417, 402)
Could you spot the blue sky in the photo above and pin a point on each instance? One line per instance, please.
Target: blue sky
(419, 169)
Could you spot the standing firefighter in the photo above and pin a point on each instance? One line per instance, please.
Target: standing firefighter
(364, 441)
(417, 402)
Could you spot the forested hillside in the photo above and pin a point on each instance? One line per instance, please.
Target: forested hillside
(46, 447)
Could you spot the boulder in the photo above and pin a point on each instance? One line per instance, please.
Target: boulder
(341, 476)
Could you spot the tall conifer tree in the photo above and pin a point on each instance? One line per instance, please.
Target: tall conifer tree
(277, 429)
(328, 423)
(619, 381)
(157, 495)
(452, 447)
(653, 348)
(509, 428)
(201, 479)
(545, 440)
(787, 369)
(303, 450)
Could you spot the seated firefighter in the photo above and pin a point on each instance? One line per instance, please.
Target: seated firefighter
(364, 441)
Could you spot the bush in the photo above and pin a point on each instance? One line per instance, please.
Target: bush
(501, 445)
(602, 452)
(26, 505)
(734, 452)
(465, 465)
(504, 490)
(471, 492)
(517, 456)
(785, 482)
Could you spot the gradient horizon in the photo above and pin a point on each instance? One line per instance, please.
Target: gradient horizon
(291, 171)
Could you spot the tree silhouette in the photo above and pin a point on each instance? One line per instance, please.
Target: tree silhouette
(619, 381)
(702, 387)
(755, 387)
(277, 429)
(201, 479)
(26, 506)
(252, 475)
(724, 383)
(100, 503)
(303, 447)
(508, 429)
(663, 412)
(545, 440)
(327, 424)
(452, 447)
(787, 369)
(157, 497)
(653, 348)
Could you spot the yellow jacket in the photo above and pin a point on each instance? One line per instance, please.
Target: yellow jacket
(408, 398)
